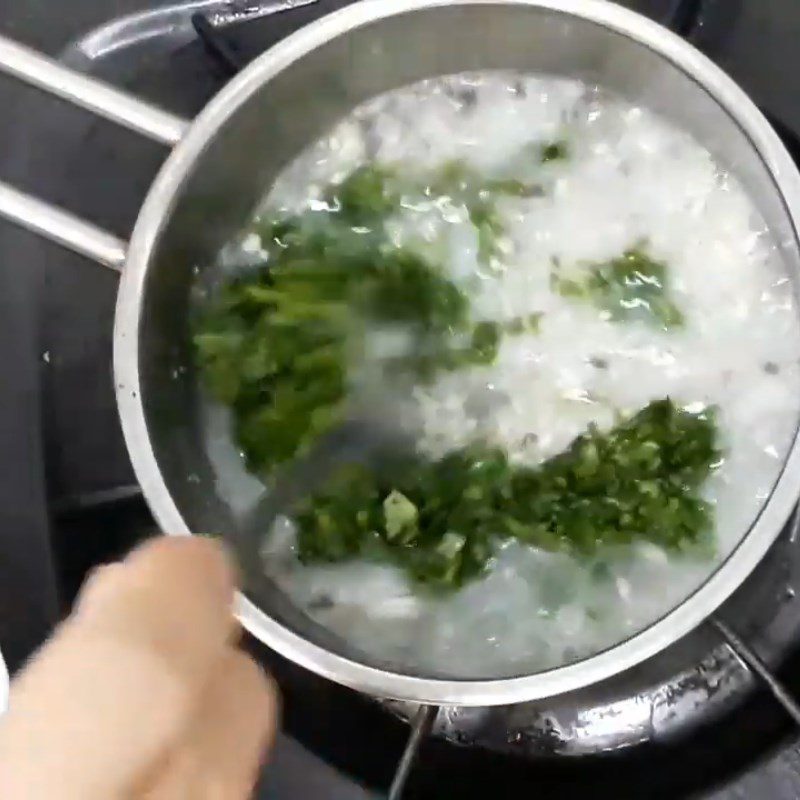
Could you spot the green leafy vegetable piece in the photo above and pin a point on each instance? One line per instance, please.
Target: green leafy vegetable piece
(486, 339)
(531, 323)
(368, 194)
(400, 516)
(553, 151)
(640, 481)
(479, 195)
(631, 286)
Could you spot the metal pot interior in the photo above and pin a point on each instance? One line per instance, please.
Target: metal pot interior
(321, 74)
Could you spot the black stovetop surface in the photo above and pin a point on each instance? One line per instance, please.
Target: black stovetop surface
(68, 498)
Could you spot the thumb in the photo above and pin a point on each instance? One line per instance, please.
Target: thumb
(100, 704)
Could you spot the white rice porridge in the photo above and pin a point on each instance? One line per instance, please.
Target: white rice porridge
(630, 177)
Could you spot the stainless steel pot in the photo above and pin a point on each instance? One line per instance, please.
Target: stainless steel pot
(218, 170)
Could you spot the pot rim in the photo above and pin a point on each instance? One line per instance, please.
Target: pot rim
(372, 680)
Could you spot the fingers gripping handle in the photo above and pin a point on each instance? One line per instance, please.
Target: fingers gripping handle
(49, 221)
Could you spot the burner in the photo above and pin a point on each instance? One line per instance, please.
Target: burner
(679, 716)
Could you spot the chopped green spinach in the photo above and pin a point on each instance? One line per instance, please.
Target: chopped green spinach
(466, 187)
(441, 520)
(367, 195)
(531, 323)
(276, 343)
(631, 286)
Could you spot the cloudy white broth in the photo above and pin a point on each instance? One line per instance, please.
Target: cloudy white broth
(581, 322)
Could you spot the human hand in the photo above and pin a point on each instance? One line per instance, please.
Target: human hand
(141, 693)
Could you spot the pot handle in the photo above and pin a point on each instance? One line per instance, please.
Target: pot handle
(117, 106)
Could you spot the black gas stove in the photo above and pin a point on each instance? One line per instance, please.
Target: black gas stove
(694, 721)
